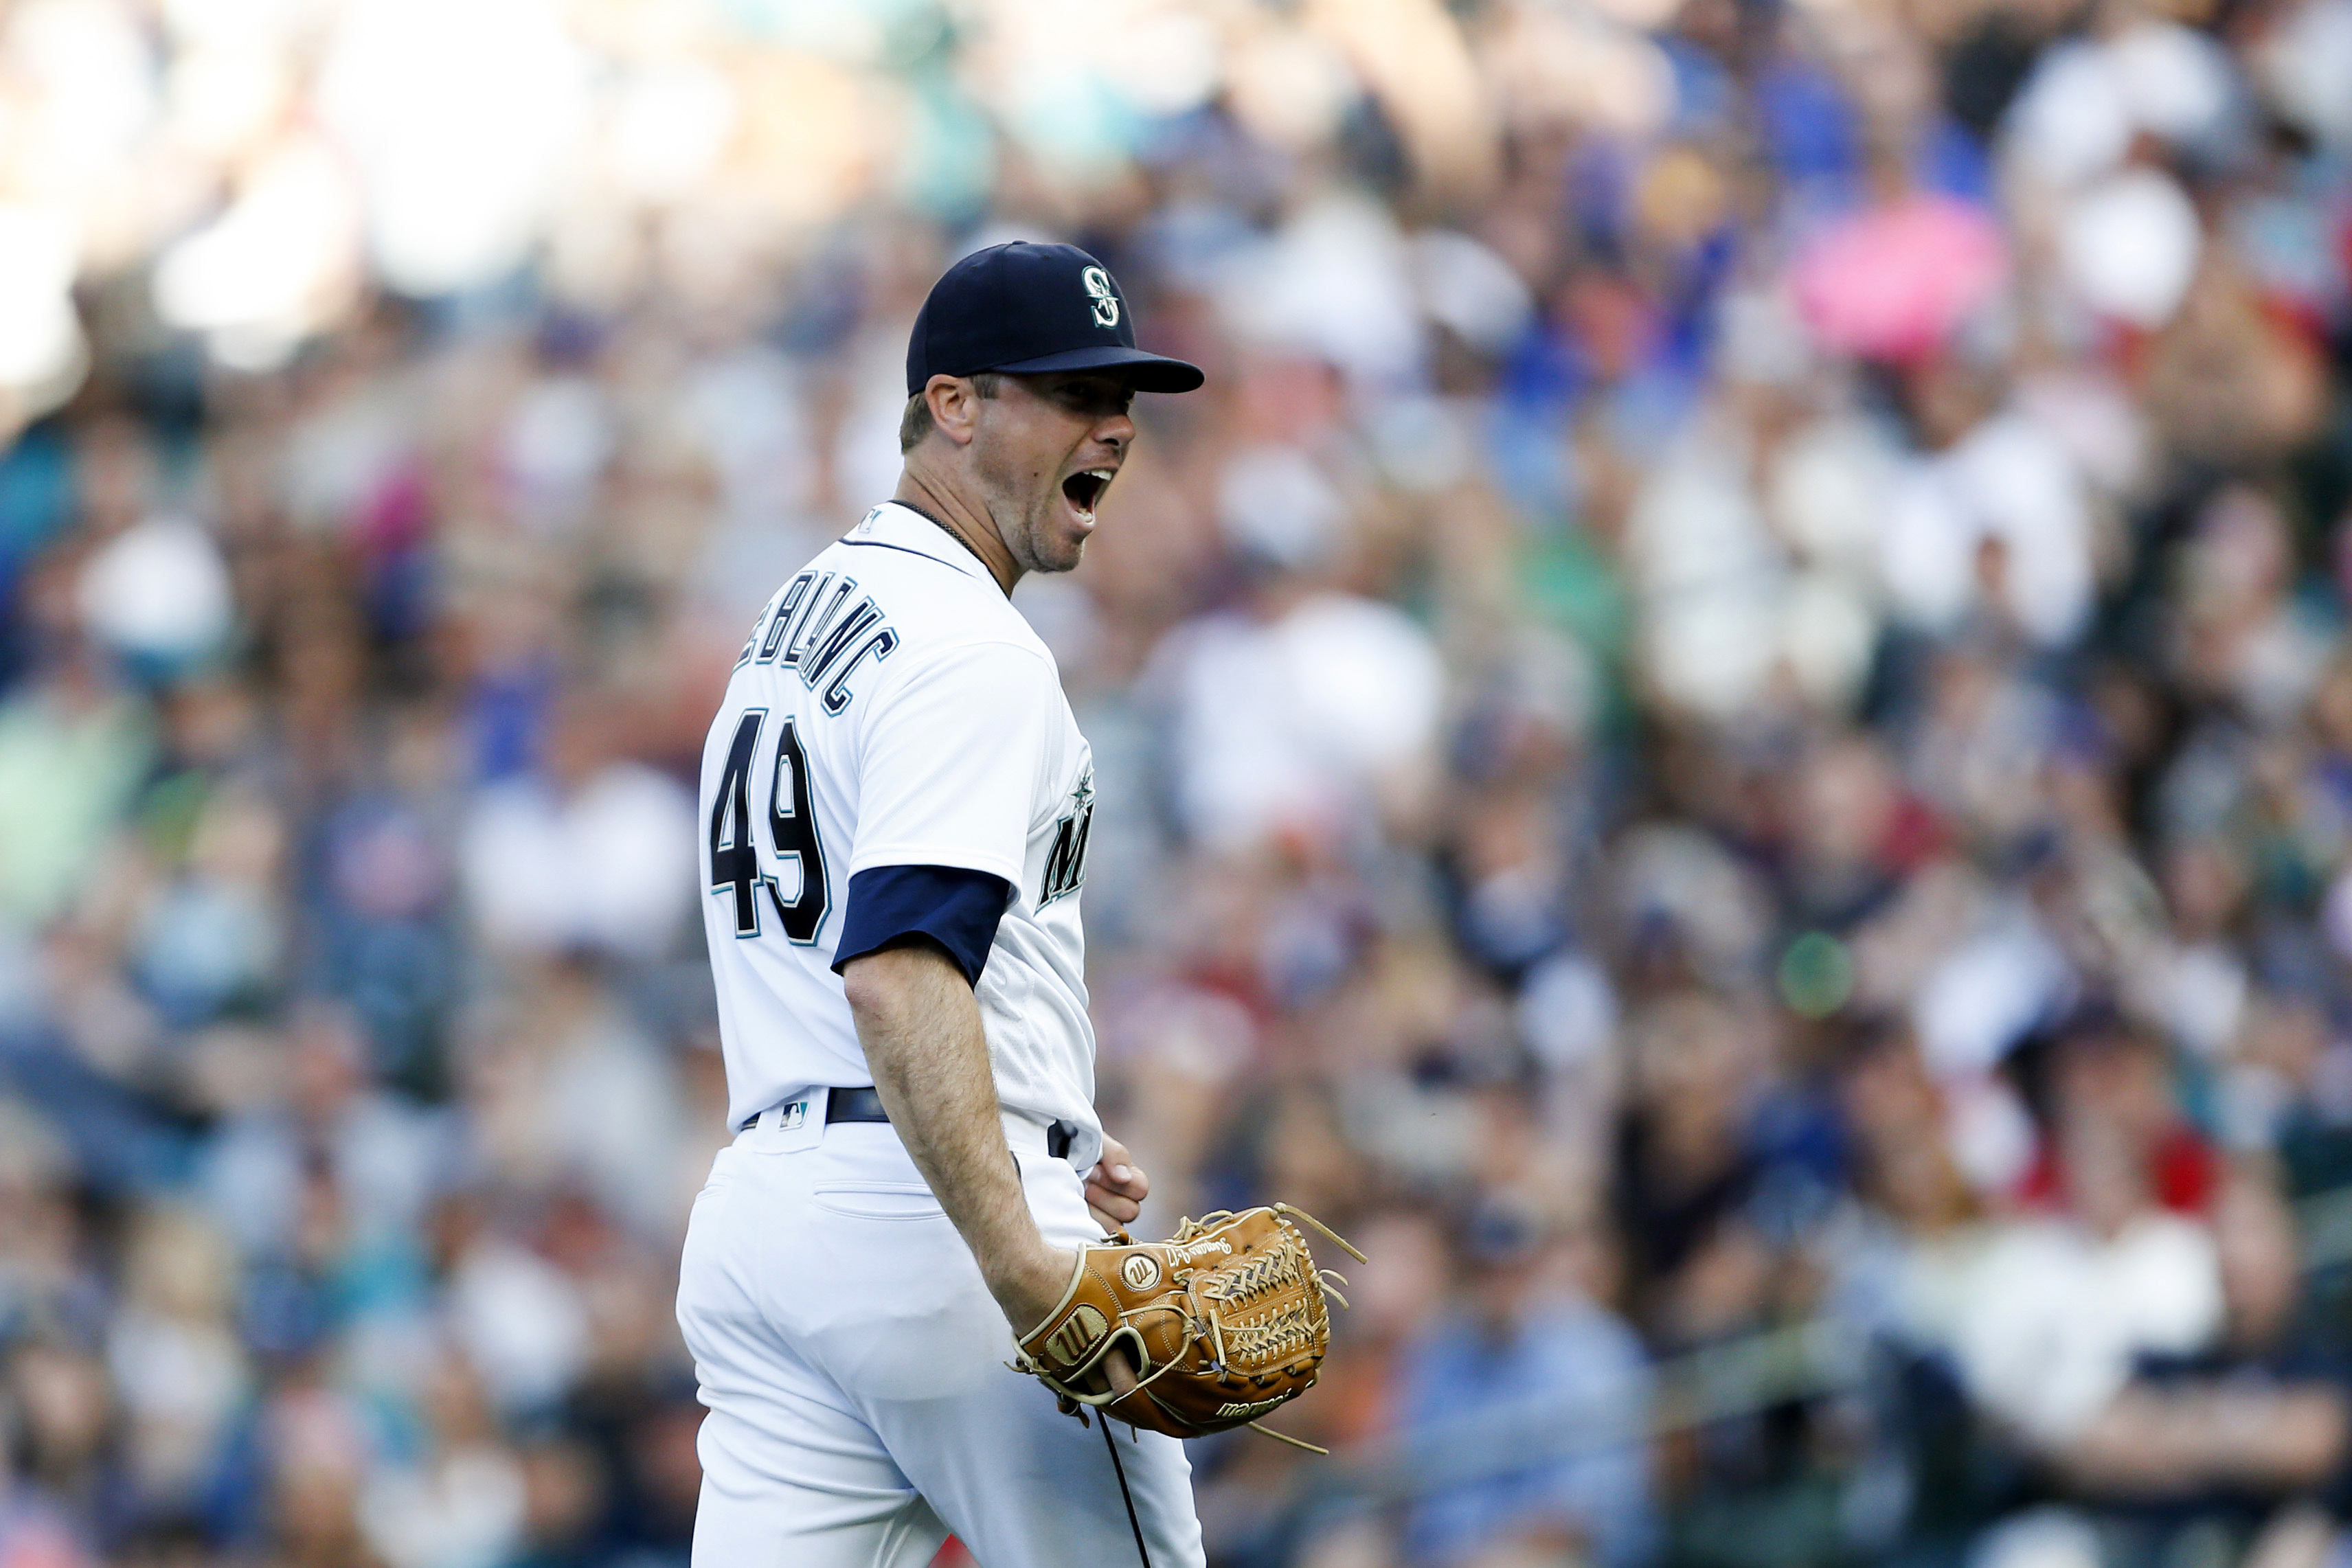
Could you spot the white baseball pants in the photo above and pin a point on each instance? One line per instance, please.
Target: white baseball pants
(853, 1364)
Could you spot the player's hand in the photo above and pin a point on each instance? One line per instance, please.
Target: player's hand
(1027, 1293)
(1119, 1366)
(1115, 1187)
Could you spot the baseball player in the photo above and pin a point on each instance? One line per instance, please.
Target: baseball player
(897, 801)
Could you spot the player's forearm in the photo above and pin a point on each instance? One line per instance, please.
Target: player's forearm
(924, 1044)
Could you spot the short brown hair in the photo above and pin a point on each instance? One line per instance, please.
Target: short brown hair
(915, 422)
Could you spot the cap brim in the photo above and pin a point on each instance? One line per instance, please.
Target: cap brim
(1144, 372)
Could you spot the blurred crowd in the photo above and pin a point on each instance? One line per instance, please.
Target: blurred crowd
(1728, 726)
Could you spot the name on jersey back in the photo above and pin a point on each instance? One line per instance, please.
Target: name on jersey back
(813, 629)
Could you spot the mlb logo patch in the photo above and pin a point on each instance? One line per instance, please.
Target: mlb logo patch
(782, 1129)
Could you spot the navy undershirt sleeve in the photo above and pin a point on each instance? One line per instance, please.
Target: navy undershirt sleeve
(954, 908)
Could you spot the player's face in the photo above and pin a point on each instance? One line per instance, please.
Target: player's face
(1047, 447)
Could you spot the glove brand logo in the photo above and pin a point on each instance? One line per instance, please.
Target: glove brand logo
(1142, 1271)
(1249, 1412)
(1068, 1343)
(1180, 1256)
(1098, 289)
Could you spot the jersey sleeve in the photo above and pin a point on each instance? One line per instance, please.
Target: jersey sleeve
(950, 761)
(956, 908)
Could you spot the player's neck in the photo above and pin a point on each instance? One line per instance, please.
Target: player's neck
(968, 523)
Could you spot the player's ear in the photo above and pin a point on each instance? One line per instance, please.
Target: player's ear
(955, 407)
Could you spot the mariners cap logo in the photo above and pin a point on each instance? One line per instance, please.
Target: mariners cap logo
(1033, 309)
(1098, 289)
(1142, 1271)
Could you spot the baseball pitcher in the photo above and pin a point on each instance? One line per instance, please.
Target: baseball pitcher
(897, 801)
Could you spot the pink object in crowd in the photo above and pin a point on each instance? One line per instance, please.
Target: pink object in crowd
(1892, 283)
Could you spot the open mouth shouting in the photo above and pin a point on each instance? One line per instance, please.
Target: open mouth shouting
(1084, 489)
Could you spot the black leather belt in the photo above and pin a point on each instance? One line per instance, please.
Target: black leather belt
(855, 1105)
(866, 1106)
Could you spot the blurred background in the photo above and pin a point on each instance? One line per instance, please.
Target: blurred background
(1725, 736)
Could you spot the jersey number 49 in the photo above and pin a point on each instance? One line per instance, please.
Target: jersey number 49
(791, 831)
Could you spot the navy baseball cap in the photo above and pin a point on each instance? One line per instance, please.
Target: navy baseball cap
(1028, 308)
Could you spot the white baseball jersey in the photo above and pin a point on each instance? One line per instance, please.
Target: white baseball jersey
(891, 707)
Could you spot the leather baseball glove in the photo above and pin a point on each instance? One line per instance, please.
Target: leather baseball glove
(1227, 1319)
